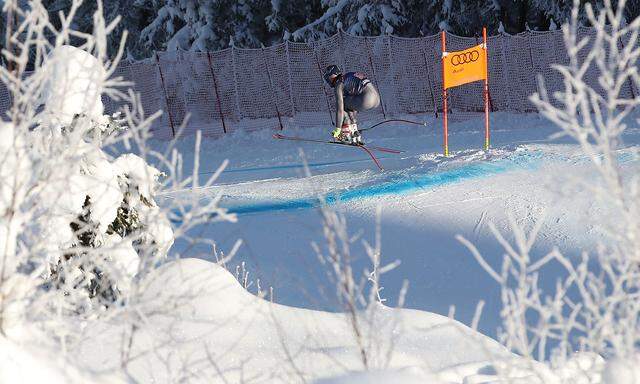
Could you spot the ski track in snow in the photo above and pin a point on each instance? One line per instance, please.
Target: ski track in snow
(421, 177)
(476, 229)
(296, 166)
(397, 183)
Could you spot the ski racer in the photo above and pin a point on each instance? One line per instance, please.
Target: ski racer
(354, 92)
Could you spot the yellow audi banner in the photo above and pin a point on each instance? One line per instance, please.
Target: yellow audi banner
(462, 67)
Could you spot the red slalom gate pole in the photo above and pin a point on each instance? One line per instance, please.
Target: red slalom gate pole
(215, 87)
(444, 96)
(486, 89)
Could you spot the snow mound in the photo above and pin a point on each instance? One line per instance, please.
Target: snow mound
(622, 371)
(381, 377)
(207, 286)
(204, 314)
(19, 365)
(74, 85)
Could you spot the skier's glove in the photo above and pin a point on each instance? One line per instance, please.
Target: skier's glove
(336, 132)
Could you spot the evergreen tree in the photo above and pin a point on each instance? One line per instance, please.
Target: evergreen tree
(466, 18)
(519, 15)
(424, 18)
(203, 25)
(632, 10)
(210, 25)
(288, 16)
(358, 17)
(134, 16)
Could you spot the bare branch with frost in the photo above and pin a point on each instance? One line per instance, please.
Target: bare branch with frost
(595, 306)
(82, 237)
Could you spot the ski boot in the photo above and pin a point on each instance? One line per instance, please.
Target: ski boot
(348, 134)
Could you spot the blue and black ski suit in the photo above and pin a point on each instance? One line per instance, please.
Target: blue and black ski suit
(354, 93)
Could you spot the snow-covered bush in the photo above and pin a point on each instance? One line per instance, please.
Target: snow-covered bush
(595, 306)
(80, 229)
(119, 215)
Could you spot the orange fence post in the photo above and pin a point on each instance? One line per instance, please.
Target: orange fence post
(429, 71)
(486, 89)
(444, 96)
(375, 78)
(215, 87)
(166, 96)
(322, 85)
(273, 92)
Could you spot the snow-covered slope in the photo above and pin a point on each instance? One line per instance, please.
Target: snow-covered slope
(222, 333)
(21, 364)
(426, 200)
(207, 328)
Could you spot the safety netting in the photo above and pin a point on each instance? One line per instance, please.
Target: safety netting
(281, 86)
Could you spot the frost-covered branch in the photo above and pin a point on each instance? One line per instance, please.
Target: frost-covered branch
(597, 114)
(595, 304)
(372, 326)
(82, 234)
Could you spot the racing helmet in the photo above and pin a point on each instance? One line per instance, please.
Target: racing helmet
(330, 71)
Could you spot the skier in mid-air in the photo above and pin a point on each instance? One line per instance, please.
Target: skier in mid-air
(354, 93)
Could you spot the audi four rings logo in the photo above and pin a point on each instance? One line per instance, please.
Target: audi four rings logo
(465, 58)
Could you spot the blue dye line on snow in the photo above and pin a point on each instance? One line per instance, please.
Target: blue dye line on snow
(402, 184)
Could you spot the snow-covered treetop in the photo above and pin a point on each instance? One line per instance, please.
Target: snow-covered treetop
(212, 25)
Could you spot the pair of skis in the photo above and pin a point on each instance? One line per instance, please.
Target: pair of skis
(366, 148)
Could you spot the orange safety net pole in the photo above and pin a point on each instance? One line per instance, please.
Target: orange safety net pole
(375, 79)
(322, 86)
(444, 96)
(215, 87)
(273, 92)
(166, 96)
(486, 89)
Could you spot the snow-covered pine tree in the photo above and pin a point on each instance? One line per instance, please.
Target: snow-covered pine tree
(205, 26)
(288, 16)
(86, 222)
(134, 16)
(519, 15)
(137, 234)
(541, 13)
(358, 17)
(632, 10)
(409, 18)
(466, 18)
(425, 18)
(210, 25)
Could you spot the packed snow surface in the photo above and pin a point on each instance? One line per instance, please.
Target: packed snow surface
(205, 327)
(222, 333)
(425, 199)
